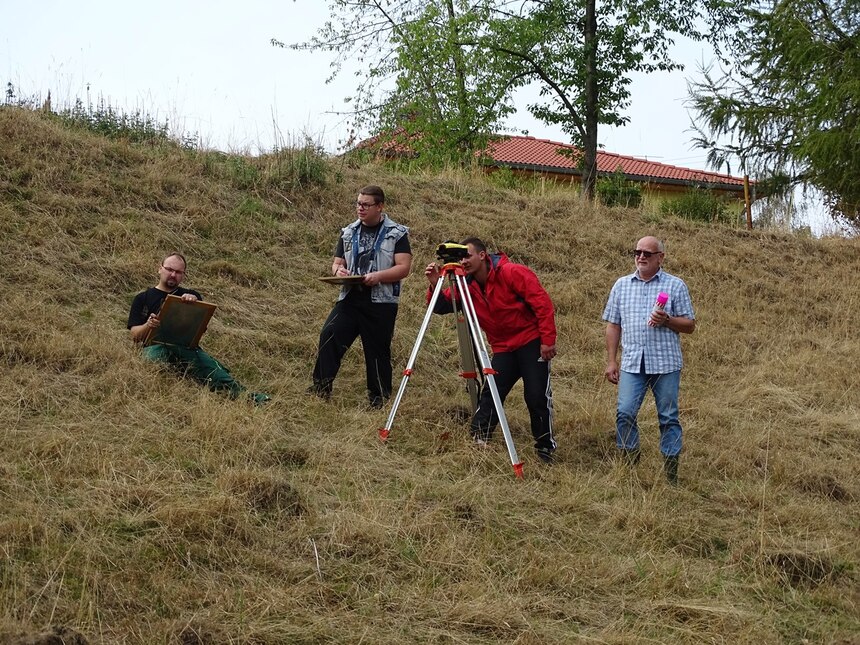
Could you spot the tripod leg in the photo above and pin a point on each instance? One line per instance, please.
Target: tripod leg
(468, 369)
(484, 358)
(385, 431)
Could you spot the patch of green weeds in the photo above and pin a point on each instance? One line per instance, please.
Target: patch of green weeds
(114, 123)
(616, 190)
(699, 205)
(242, 173)
(295, 168)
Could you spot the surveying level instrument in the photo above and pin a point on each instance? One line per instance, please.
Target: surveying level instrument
(452, 253)
(471, 345)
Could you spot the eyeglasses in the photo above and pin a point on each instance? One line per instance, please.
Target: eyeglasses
(174, 271)
(637, 252)
(363, 205)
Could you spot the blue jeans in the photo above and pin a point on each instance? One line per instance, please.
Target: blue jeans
(631, 392)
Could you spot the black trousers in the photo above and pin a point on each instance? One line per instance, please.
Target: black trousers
(350, 318)
(512, 366)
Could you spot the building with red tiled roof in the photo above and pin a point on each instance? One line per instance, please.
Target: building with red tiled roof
(560, 160)
(530, 156)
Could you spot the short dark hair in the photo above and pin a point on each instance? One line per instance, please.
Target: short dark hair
(373, 191)
(175, 254)
(476, 242)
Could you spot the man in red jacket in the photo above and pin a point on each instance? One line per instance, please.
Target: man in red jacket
(518, 317)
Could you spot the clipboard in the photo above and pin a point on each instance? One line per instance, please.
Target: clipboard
(182, 323)
(343, 279)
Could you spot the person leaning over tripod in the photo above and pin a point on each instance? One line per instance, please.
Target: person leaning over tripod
(650, 350)
(376, 247)
(518, 317)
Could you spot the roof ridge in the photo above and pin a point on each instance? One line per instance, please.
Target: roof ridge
(693, 173)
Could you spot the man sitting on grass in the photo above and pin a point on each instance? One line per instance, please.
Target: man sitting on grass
(144, 317)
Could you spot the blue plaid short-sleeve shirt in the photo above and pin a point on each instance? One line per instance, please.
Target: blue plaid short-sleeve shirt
(629, 305)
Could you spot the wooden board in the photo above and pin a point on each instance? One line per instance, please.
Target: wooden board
(343, 279)
(182, 323)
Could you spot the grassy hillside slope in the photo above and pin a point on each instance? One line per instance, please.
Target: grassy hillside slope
(136, 507)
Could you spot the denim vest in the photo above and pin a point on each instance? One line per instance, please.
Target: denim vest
(383, 257)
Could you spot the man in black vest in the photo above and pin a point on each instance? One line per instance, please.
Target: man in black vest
(377, 248)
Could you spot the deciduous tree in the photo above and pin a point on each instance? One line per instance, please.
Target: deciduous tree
(583, 53)
(421, 72)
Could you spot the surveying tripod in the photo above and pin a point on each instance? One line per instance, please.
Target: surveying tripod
(469, 348)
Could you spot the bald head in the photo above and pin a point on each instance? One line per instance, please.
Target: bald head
(650, 243)
(648, 257)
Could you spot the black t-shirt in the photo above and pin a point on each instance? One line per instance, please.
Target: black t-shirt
(150, 301)
(366, 239)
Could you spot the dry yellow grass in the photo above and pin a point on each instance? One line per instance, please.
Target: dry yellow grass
(139, 508)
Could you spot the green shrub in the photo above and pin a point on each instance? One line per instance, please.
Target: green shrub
(300, 167)
(104, 119)
(616, 190)
(509, 180)
(699, 205)
(504, 178)
(287, 169)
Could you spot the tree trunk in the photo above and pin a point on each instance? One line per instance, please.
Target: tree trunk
(460, 76)
(589, 170)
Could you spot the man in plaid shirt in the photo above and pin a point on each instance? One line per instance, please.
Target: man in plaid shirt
(651, 350)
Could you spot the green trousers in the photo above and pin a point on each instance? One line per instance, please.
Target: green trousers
(197, 364)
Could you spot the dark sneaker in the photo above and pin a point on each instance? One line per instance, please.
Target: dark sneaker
(321, 392)
(545, 455)
(377, 402)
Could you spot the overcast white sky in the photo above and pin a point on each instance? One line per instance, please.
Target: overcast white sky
(209, 67)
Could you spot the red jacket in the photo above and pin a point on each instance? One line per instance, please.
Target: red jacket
(513, 308)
